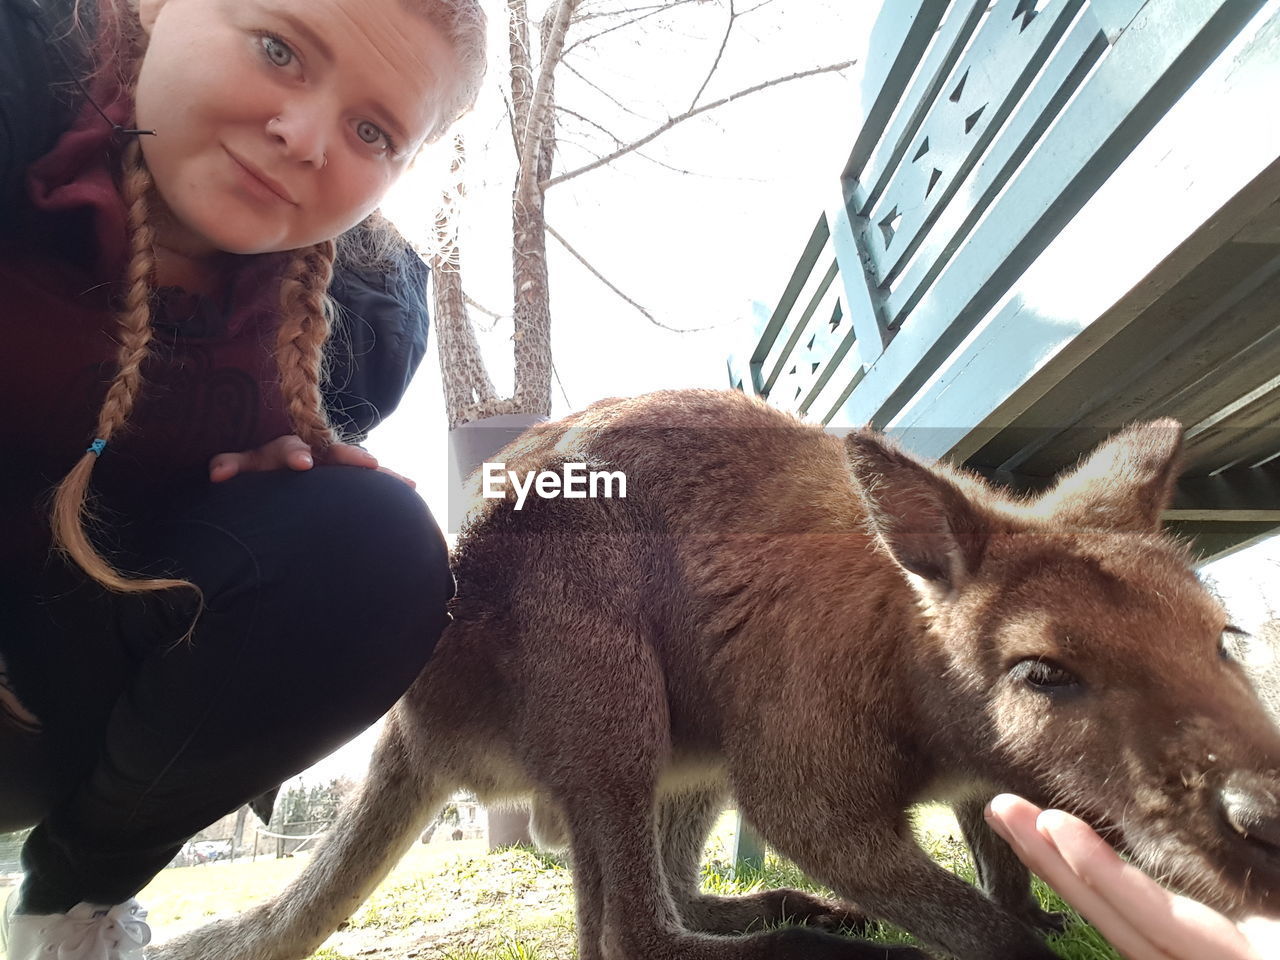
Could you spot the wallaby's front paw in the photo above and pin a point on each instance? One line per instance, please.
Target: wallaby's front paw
(1047, 923)
(796, 906)
(751, 912)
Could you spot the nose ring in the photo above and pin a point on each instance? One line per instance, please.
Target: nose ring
(324, 161)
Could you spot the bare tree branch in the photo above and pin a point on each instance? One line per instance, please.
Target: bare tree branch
(563, 141)
(694, 173)
(497, 317)
(689, 114)
(603, 279)
(762, 3)
(521, 66)
(719, 53)
(600, 90)
(539, 112)
(623, 11)
(556, 373)
(652, 159)
(511, 121)
(652, 11)
(587, 120)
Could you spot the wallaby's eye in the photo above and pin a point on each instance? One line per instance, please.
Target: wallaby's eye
(1044, 675)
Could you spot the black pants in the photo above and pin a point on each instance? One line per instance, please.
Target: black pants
(325, 593)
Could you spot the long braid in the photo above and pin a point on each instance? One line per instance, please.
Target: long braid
(305, 308)
(71, 510)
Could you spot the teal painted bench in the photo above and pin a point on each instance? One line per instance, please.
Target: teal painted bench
(1057, 216)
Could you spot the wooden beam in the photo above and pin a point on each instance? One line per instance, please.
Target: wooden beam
(1233, 496)
(799, 277)
(1241, 495)
(785, 353)
(1221, 316)
(1212, 540)
(864, 311)
(901, 35)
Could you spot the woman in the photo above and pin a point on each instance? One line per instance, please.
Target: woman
(249, 591)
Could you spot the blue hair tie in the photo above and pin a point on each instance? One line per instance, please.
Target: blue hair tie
(97, 447)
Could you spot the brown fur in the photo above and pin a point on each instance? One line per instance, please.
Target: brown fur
(829, 630)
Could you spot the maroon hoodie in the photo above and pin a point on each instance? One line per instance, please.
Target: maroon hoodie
(210, 384)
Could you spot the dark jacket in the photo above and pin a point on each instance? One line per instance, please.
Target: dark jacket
(381, 334)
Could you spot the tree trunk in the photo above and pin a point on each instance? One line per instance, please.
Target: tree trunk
(533, 106)
(468, 391)
(237, 836)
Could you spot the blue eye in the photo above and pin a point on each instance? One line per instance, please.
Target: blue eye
(273, 45)
(365, 125)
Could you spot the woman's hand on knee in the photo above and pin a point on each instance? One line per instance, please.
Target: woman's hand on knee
(291, 453)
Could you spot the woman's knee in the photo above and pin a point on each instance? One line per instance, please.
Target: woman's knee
(344, 535)
(383, 539)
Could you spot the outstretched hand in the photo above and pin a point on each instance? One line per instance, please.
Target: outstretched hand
(1140, 918)
(291, 453)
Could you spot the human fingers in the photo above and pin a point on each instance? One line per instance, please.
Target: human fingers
(1015, 819)
(1177, 925)
(286, 451)
(350, 455)
(401, 477)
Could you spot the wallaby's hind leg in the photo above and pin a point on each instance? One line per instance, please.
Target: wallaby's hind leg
(684, 821)
(369, 837)
(606, 783)
(1001, 875)
(588, 898)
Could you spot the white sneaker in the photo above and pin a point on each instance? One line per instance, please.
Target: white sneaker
(85, 932)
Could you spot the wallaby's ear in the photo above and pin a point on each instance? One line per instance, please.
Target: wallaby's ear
(932, 529)
(1125, 484)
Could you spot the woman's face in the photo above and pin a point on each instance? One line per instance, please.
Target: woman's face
(326, 98)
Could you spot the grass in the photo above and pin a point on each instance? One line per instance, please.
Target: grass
(455, 901)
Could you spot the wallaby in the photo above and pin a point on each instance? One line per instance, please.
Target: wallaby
(831, 631)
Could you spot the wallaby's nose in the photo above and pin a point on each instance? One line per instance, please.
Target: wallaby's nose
(1251, 806)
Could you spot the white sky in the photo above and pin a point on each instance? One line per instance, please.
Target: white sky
(695, 249)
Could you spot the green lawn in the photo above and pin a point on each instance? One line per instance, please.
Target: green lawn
(454, 901)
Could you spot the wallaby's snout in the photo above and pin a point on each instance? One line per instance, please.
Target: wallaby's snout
(1249, 804)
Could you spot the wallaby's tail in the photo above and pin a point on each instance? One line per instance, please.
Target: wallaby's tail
(369, 837)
